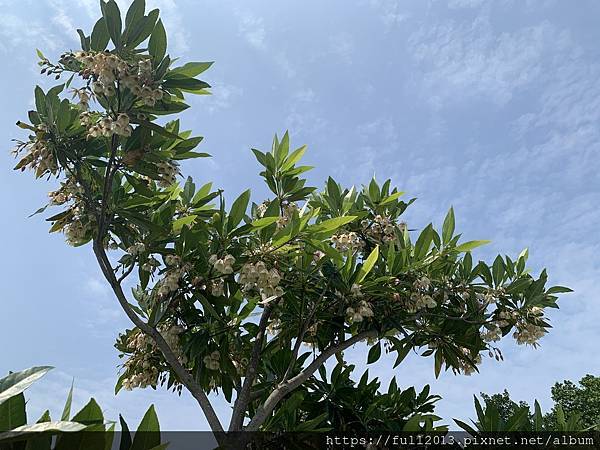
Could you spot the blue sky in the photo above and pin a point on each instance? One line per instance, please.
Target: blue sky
(492, 107)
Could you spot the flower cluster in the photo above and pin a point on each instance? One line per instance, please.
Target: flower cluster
(151, 264)
(105, 66)
(136, 249)
(171, 334)
(362, 310)
(420, 299)
(78, 229)
(465, 366)
(217, 287)
(106, 126)
(223, 265)
(274, 326)
(491, 332)
(258, 277)
(358, 313)
(490, 296)
(380, 229)
(506, 317)
(262, 208)
(212, 361)
(39, 155)
(68, 191)
(167, 171)
(84, 97)
(176, 270)
(108, 68)
(140, 84)
(288, 213)
(347, 241)
(142, 365)
(527, 332)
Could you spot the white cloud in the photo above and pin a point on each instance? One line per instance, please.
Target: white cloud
(466, 60)
(18, 33)
(341, 45)
(252, 29)
(223, 96)
(465, 3)
(389, 12)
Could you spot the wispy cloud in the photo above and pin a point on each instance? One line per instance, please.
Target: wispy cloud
(18, 33)
(223, 96)
(466, 60)
(390, 12)
(252, 28)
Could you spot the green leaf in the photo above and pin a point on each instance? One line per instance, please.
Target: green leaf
(559, 290)
(190, 69)
(413, 424)
(448, 227)
(67, 409)
(538, 418)
(330, 224)
(202, 193)
(517, 420)
(185, 84)
(470, 245)
(148, 433)
(40, 100)
(190, 155)
(374, 192)
(424, 242)
(84, 40)
(112, 16)
(125, 443)
(157, 47)
(100, 37)
(281, 151)
(368, 264)
(264, 222)
(238, 209)
(157, 128)
(186, 220)
(438, 360)
(44, 427)
(162, 108)
(260, 157)
(293, 158)
(12, 413)
(498, 270)
(374, 353)
(142, 29)
(391, 198)
(402, 352)
(135, 14)
(90, 414)
(17, 382)
(139, 186)
(466, 427)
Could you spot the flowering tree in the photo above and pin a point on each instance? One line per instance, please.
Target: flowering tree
(248, 300)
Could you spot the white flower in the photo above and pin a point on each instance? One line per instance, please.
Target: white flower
(212, 361)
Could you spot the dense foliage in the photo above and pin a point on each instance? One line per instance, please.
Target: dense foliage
(85, 429)
(498, 414)
(337, 403)
(249, 298)
(580, 403)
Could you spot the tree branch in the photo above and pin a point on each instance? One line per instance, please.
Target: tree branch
(283, 389)
(301, 335)
(126, 273)
(184, 376)
(241, 402)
